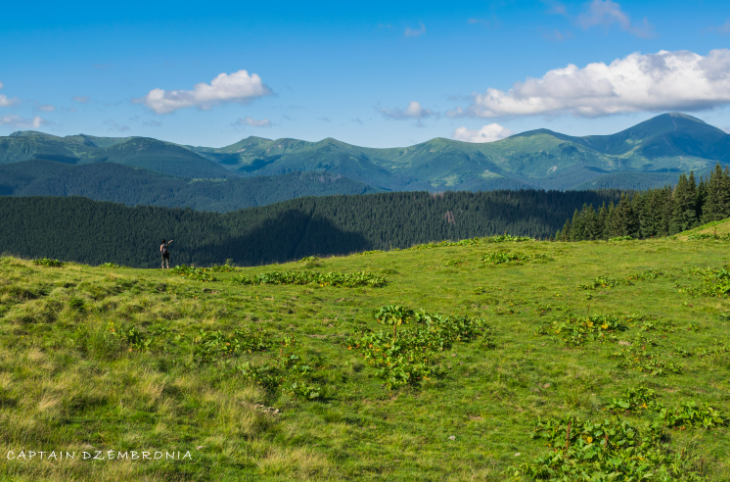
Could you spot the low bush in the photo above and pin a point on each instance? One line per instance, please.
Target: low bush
(347, 280)
(48, 262)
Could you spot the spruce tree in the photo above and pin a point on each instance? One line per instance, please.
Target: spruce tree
(684, 213)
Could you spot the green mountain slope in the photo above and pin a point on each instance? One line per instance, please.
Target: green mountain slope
(540, 158)
(130, 186)
(142, 152)
(668, 143)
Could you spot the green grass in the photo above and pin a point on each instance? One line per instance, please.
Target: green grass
(269, 382)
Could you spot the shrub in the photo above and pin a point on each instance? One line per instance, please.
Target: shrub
(578, 331)
(603, 450)
(48, 263)
(347, 280)
(402, 359)
(200, 274)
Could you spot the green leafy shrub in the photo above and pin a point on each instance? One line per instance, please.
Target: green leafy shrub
(500, 257)
(635, 399)
(645, 275)
(109, 265)
(209, 345)
(347, 280)
(578, 331)
(48, 262)
(224, 268)
(135, 339)
(702, 236)
(402, 358)
(690, 414)
(621, 238)
(607, 450)
(307, 390)
(598, 283)
(199, 274)
(638, 358)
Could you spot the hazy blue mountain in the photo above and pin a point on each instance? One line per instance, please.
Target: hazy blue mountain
(130, 186)
(634, 158)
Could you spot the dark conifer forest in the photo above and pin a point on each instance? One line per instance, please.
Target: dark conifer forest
(656, 212)
(94, 232)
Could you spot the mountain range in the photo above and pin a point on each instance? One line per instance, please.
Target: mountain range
(646, 155)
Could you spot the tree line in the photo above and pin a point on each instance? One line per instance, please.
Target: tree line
(97, 232)
(655, 212)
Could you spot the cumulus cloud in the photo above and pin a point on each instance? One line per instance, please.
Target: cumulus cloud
(415, 33)
(680, 80)
(80, 99)
(606, 13)
(488, 133)
(22, 122)
(250, 121)
(5, 101)
(413, 111)
(236, 87)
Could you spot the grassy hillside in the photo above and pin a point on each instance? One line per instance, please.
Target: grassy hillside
(271, 382)
(121, 184)
(720, 228)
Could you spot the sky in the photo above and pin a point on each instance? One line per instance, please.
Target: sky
(376, 73)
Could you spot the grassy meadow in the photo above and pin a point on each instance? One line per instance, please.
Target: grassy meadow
(273, 382)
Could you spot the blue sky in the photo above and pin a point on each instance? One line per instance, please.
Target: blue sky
(378, 74)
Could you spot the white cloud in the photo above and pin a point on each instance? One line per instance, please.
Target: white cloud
(663, 81)
(606, 13)
(80, 99)
(488, 133)
(47, 107)
(5, 101)
(413, 111)
(236, 87)
(250, 121)
(415, 33)
(22, 122)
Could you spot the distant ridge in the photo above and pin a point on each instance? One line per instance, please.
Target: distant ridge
(635, 158)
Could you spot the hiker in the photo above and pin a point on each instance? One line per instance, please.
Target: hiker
(165, 252)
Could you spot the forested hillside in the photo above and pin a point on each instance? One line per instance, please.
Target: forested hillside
(130, 186)
(655, 212)
(95, 232)
(647, 155)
